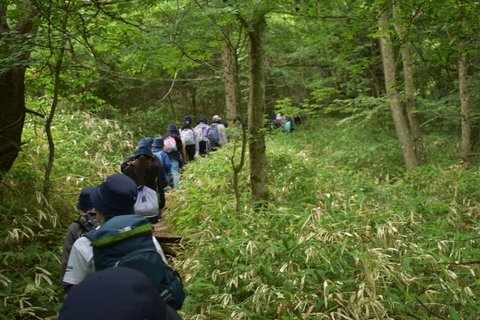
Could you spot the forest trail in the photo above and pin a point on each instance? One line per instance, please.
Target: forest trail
(168, 240)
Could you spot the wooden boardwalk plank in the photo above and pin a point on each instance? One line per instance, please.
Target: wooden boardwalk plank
(169, 241)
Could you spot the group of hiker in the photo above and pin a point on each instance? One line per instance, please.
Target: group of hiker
(115, 230)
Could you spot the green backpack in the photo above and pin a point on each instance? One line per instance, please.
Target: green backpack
(126, 241)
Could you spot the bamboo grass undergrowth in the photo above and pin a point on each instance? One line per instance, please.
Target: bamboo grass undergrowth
(348, 234)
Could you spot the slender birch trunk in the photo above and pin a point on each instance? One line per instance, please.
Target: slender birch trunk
(229, 80)
(388, 59)
(410, 92)
(463, 86)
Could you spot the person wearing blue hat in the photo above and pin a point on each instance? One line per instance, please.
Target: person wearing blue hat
(202, 131)
(188, 136)
(145, 142)
(146, 169)
(116, 294)
(157, 149)
(174, 148)
(116, 196)
(86, 221)
(150, 140)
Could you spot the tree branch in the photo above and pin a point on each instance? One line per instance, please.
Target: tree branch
(428, 310)
(35, 113)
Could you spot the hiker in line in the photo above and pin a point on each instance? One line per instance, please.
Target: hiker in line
(218, 136)
(280, 120)
(116, 294)
(188, 136)
(202, 131)
(85, 222)
(173, 146)
(284, 123)
(141, 143)
(147, 170)
(157, 149)
(149, 140)
(116, 196)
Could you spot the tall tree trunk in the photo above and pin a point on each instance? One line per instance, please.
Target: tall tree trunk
(12, 88)
(238, 90)
(12, 115)
(194, 101)
(184, 90)
(410, 92)
(401, 127)
(256, 111)
(229, 80)
(463, 86)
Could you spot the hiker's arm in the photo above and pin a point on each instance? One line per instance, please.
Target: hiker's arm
(161, 182)
(80, 262)
(72, 235)
(159, 249)
(197, 143)
(124, 164)
(67, 287)
(167, 165)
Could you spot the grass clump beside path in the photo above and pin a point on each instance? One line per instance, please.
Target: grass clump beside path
(348, 235)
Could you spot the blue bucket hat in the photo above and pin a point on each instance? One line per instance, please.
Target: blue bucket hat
(116, 196)
(84, 202)
(143, 150)
(203, 119)
(172, 127)
(158, 143)
(187, 119)
(116, 293)
(144, 142)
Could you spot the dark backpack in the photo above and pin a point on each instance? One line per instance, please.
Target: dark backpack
(215, 137)
(87, 222)
(126, 241)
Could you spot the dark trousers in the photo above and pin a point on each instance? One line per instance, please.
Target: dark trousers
(203, 146)
(190, 149)
(161, 199)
